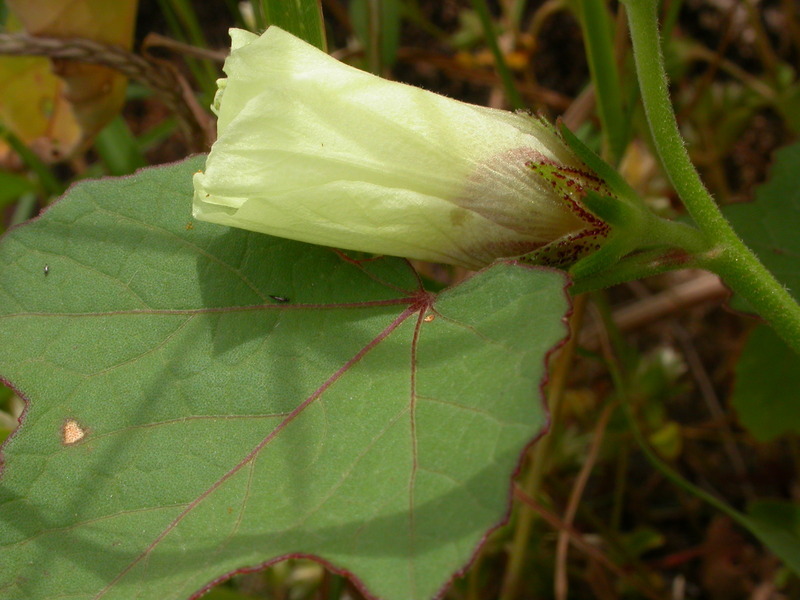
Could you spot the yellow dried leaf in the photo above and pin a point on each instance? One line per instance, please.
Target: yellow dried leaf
(33, 107)
(95, 92)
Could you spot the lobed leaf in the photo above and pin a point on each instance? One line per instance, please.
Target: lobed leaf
(203, 401)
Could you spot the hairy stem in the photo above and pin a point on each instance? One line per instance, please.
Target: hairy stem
(729, 257)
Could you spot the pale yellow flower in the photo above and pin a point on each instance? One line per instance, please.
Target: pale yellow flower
(314, 150)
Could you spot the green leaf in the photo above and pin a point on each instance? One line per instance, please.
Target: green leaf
(777, 524)
(767, 382)
(768, 373)
(770, 223)
(203, 400)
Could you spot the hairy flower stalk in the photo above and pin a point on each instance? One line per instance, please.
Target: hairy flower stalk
(317, 151)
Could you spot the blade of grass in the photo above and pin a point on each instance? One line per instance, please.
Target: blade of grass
(561, 580)
(184, 25)
(377, 24)
(236, 13)
(783, 546)
(157, 134)
(365, 17)
(579, 541)
(597, 28)
(412, 12)
(512, 94)
(51, 185)
(671, 12)
(118, 148)
(259, 17)
(302, 18)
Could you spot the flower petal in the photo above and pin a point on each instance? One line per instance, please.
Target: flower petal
(315, 150)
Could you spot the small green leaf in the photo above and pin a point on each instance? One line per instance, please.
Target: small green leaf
(606, 172)
(641, 540)
(767, 391)
(203, 400)
(777, 525)
(770, 223)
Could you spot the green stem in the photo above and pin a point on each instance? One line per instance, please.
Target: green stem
(637, 266)
(620, 381)
(729, 258)
(659, 231)
(676, 477)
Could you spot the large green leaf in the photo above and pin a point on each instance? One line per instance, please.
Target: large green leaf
(204, 400)
(767, 391)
